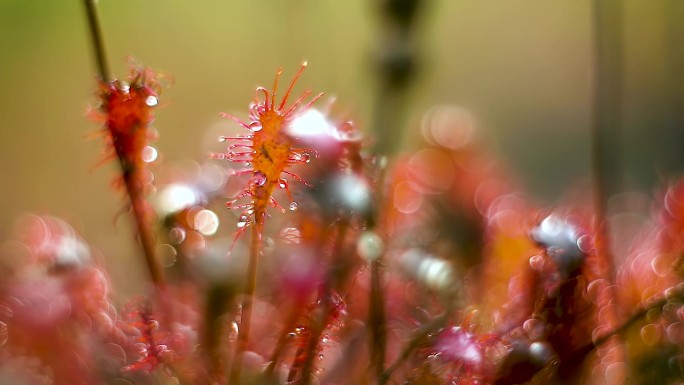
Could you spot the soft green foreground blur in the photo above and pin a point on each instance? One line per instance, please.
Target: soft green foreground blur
(523, 66)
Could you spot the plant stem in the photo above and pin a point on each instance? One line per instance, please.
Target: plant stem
(98, 42)
(248, 299)
(378, 320)
(319, 323)
(418, 337)
(605, 137)
(133, 190)
(282, 341)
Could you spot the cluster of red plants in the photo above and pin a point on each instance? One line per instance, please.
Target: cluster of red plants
(427, 268)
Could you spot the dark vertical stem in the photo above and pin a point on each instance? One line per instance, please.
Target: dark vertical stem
(396, 63)
(607, 100)
(133, 189)
(606, 130)
(96, 35)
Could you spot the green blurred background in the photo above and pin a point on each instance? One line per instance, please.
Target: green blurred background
(525, 68)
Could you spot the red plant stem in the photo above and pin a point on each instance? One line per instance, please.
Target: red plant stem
(282, 340)
(133, 190)
(247, 301)
(141, 211)
(378, 320)
(319, 323)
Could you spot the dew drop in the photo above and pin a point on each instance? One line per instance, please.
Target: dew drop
(206, 222)
(660, 265)
(369, 246)
(540, 352)
(282, 183)
(585, 243)
(151, 101)
(595, 288)
(255, 126)
(669, 311)
(534, 328)
(650, 334)
(167, 255)
(615, 373)
(123, 87)
(306, 158)
(675, 333)
(381, 162)
(537, 262)
(149, 154)
(222, 138)
(242, 222)
(4, 333)
(259, 178)
(177, 235)
(268, 245)
(293, 206)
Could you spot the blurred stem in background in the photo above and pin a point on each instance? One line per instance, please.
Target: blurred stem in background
(396, 66)
(606, 131)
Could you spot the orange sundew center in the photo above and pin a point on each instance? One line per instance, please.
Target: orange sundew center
(271, 154)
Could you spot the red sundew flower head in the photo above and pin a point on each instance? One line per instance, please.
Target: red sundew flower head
(127, 112)
(269, 149)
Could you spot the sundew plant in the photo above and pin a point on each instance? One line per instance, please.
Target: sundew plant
(353, 258)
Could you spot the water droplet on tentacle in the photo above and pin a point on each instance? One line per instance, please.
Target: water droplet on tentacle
(255, 126)
(259, 178)
(151, 101)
